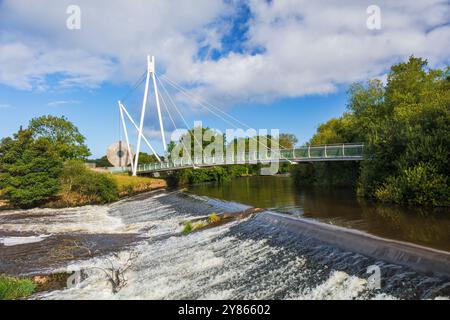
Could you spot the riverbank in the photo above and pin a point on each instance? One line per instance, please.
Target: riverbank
(126, 186)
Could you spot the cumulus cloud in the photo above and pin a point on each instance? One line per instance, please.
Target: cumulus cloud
(290, 48)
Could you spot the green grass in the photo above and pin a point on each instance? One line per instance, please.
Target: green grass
(192, 226)
(187, 228)
(128, 184)
(14, 288)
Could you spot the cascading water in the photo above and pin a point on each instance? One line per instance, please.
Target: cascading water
(246, 259)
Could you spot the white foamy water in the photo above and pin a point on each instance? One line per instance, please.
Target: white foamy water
(244, 259)
(210, 264)
(88, 219)
(14, 241)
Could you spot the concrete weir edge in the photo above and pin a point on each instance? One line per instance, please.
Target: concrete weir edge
(419, 258)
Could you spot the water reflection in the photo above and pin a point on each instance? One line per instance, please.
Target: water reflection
(425, 226)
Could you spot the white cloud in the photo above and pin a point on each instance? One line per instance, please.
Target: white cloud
(306, 47)
(62, 102)
(5, 106)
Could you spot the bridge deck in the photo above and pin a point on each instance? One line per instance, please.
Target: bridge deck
(335, 152)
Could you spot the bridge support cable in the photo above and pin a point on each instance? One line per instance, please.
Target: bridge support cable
(174, 124)
(137, 128)
(177, 109)
(202, 103)
(158, 108)
(134, 87)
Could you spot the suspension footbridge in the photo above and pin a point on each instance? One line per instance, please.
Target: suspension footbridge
(265, 154)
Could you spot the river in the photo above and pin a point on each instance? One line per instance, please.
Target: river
(338, 206)
(244, 259)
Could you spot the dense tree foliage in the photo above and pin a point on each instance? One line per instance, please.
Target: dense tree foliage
(222, 173)
(63, 134)
(29, 169)
(287, 141)
(100, 162)
(36, 163)
(147, 158)
(405, 126)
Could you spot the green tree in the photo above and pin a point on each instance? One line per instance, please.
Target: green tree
(102, 162)
(29, 169)
(147, 158)
(63, 134)
(287, 141)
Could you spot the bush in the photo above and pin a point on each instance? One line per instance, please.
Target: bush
(421, 185)
(218, 173)
(14, 288)
(98, 187)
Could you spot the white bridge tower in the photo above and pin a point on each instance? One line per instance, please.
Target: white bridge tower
(123, 111)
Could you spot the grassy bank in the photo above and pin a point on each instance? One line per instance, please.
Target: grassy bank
(15, 288)
(128, 185)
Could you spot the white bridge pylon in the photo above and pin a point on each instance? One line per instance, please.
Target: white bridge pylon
(123, 111)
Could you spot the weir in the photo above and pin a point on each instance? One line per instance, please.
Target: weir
(422, 259)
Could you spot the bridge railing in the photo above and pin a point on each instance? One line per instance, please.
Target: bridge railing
(333, 151)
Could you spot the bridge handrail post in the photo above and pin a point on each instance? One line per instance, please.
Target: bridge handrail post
(326, 156)
(343, 150)
(309, 151)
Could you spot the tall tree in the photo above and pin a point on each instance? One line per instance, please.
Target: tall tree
(63, 134)
(287, 141)
(147, 158)
(29, 169)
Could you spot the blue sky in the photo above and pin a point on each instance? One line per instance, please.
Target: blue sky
(272, 64)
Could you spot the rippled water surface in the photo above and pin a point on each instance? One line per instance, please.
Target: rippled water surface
(425, 226)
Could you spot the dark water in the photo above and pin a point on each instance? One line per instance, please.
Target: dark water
(424, 226)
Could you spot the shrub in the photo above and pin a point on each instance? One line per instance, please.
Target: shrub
(14, 288)
(98, 187)
(421, 184)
